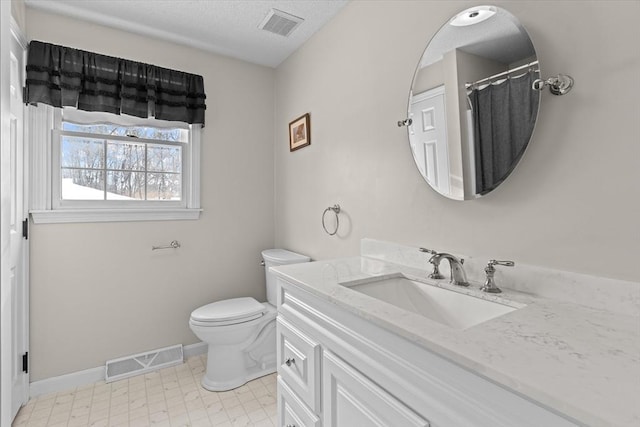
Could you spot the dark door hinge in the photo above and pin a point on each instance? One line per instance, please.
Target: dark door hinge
(25, 228)
(25, 363)
(24, 94)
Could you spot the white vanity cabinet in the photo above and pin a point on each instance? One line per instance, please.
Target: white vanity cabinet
(351, 399)
(292, 412)
(299, 363)
(336, 369)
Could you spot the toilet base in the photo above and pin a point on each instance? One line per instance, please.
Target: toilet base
(252, 356)
(252, 374)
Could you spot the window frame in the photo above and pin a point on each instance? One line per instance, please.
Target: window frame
(47, 205)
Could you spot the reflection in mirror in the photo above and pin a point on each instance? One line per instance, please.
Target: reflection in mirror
(471, 103)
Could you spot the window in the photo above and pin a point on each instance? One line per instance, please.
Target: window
(106, 167)
(119, 163)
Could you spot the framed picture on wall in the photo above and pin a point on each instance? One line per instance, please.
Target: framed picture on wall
(300, 132)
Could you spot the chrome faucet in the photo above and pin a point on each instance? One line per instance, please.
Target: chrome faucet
(458, 276)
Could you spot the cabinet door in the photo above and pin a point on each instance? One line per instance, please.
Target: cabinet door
(299, 363)
(291, 411)
(351, 399)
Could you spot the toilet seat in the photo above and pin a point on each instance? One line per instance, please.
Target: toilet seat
(228, 312)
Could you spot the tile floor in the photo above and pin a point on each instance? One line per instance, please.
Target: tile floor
(169, 397)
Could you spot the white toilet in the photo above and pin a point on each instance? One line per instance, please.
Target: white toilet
(241, 332)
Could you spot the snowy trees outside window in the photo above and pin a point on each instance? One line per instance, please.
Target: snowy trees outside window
(107, 161)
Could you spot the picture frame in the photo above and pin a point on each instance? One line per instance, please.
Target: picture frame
(300, 132)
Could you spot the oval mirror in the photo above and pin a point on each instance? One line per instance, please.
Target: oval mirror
(472, 106)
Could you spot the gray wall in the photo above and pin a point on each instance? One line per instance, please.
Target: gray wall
(571, 204)
(97, 290)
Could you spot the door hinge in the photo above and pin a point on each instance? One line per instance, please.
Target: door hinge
(24, 95)
(25, 228)
(25, 363)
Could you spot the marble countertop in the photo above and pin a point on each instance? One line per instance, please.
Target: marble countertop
(580, 361)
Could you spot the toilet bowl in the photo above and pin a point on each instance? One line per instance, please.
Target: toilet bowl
(241, 332)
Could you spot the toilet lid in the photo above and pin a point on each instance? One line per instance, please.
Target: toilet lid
(229, 309)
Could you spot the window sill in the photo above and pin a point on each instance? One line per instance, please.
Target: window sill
(63, 216)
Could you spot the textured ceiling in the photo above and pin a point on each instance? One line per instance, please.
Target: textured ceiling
(227, 27)
(500, 38)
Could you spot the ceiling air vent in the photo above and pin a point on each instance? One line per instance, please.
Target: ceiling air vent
(279, 22)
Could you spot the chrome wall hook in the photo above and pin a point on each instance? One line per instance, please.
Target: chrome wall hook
(558, 85)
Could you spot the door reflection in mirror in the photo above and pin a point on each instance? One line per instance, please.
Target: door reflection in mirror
(429, 138)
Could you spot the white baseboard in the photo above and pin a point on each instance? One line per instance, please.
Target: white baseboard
(89, 376)
(194, 349)
(66, 382)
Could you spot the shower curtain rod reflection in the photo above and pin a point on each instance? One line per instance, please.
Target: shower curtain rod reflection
(504, 73)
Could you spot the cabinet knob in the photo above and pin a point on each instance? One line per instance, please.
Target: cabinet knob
(290, 361)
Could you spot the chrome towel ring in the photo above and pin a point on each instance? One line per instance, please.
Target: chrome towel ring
(336, 210)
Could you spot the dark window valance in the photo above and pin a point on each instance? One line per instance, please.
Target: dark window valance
(62, 76)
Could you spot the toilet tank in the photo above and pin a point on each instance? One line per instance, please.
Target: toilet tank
(274, 258)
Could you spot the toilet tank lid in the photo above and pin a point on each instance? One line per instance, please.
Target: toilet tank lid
(283, 256)
(228, 309)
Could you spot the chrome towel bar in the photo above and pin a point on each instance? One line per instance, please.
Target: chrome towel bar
(173, 245)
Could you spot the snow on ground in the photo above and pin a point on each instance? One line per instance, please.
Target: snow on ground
(71, 191)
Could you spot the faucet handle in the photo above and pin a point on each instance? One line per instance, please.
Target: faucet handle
(504, 263)
(490, 284)
(435, 274)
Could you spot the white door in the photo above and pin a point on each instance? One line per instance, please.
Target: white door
(428, 137)
(351, 399)
(6, 349)
(16, 289)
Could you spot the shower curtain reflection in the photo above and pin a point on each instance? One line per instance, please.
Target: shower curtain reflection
(504, 115)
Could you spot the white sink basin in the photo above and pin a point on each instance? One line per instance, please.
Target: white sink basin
(454, 309)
